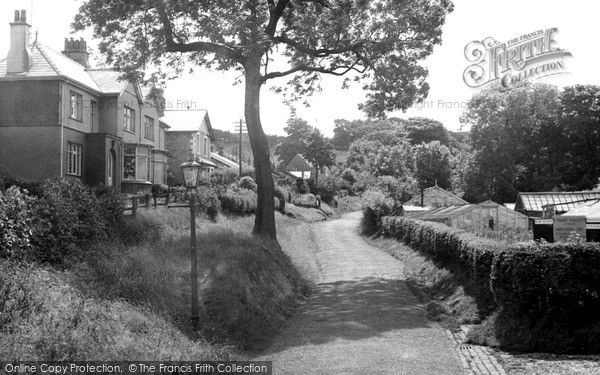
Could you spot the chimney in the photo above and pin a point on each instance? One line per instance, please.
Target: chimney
(19, 58)
(76, 50)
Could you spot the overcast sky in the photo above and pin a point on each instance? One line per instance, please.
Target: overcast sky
(471, 20)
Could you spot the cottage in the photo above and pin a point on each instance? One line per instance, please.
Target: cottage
(60, 118)
(300, 168)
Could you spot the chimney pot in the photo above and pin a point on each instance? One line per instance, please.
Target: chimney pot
(17, 16)
(23, 15)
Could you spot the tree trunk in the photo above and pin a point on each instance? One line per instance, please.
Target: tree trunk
(264, 222)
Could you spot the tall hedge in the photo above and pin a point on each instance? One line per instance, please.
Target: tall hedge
(547, 295)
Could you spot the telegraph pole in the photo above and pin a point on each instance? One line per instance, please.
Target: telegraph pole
(240, 125)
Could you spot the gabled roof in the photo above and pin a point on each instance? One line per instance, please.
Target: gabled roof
(108, 80)
(188, 121)
(435, 196)
(298, 164)
(47, 63)
(562, 201)
(223, 160)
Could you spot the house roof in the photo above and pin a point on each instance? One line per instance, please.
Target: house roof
(47, 63)
(591, 210)
(562, 201)
(109, 81)
(188, 121)
(443, 213)
(223, 160)
(298, 163)
(436, 196)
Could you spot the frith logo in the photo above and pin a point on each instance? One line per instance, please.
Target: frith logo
(528, 57)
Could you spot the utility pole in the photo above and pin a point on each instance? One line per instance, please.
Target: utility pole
(240, 127)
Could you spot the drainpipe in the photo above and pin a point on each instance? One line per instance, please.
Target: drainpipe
(62, 129)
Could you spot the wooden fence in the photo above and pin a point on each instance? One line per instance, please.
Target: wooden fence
(134, 203)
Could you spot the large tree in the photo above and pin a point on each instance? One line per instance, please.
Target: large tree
(379, 42)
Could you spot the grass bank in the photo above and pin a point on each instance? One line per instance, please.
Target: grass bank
(130, 297)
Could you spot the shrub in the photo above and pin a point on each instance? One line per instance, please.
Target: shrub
(247, 182)
(249, 171)
(302, 186)
(329, 187)
(15, 224)
(349, 175)
(242, 202)
(305, 200)
(208, 202)
(281, 195)
(223, 176)
(375, 206)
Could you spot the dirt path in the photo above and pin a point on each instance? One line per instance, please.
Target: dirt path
(361, 319)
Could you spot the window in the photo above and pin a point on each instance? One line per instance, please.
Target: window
(74, 159)
(129, 119)
(206, 146)
(76, 106)
(136, 163)
(93, 115)
(149, 128)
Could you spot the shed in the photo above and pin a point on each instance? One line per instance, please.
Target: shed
(475, 217)
(533, 204)
(591, 211)
(435, 196)
(299, 167)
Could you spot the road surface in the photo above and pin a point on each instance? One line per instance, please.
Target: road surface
(361, 317)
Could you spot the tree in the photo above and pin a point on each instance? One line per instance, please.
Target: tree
(425, 130)
(580, 125)
(319, 152)
(433, 166)
(387, 131)
(378, 42)
(298, 131)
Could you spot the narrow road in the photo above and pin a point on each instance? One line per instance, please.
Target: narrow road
(361, 318)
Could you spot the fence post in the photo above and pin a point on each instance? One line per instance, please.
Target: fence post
(134, 206)
(167, 199)
(147, 197)
(155, 198)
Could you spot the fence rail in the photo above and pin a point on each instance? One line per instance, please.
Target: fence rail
(134, 203)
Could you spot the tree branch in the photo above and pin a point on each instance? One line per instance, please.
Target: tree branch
(276, 11)
(320, 52)
(173, 46)
(317, 69)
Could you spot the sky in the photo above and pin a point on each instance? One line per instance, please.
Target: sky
(471, 20)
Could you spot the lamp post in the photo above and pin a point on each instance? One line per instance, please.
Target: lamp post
(191, 174)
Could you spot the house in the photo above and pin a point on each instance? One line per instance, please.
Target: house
(190, 137)
(534, 204)
(435, 196)
(475, 217)
(60, 118)
(300, 168)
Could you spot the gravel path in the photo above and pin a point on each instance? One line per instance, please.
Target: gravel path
(361, 318)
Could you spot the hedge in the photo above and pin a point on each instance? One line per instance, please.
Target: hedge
(537, 288)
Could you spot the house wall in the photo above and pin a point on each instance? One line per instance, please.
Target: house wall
(179, 144)
(29, 103)
(85, 124)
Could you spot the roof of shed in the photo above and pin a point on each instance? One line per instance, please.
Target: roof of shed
(563, 201)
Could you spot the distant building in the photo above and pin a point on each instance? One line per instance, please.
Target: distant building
(300, 168)
(61, 119)
(435, 196)
(535, 204)
(190, 137)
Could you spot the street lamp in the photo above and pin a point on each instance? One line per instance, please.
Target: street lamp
(191, 174)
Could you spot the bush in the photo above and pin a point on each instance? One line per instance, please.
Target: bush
(375, 206)
(349, 175)
(281, 194)
(208, 202)
(242, 202)
(302, 186)
(329, 187)
(15, 224)
(247, 182)
(305, 200)
(223, 176)
(249, 171)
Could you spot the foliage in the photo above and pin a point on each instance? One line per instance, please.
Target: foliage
(387, 131)
(302, 186)
(433, 165)
(223, 176)
(298, 132)
(425, 130)
(208, 202)
(15, 224)
(282, 195)
(329, 187)
(314, 37)
(349, 175)
(247, 182)
(240, 202)
(375, 206)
